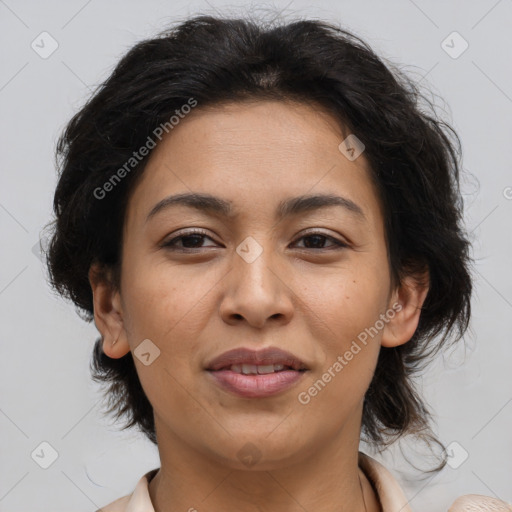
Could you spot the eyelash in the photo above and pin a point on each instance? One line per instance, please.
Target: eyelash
(171, 243)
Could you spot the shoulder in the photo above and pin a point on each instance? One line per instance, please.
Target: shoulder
(138, 501)
(118, 505)
(392, 497)
(479, 503)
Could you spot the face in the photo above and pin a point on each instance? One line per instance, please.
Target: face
(197, 282)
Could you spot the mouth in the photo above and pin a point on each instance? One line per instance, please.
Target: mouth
(247, 361)
(256, 374)
(264, 369)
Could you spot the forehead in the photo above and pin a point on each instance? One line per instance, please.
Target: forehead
(266, 129)
(255, 152)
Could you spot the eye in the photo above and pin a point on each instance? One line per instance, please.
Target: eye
(190, 241)
(317, 238)
(194, 239)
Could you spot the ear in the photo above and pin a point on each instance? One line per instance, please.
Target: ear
(108, 314)
(406, 301)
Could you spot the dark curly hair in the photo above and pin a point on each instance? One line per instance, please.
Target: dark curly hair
(413, 156)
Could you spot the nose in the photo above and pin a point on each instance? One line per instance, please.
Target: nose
(256, 290)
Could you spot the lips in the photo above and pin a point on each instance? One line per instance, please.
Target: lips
(256, 374)
(261, 358)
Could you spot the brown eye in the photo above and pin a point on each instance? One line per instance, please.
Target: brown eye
(189, 241)
(316, 240)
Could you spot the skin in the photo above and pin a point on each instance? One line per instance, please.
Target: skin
(302, 295)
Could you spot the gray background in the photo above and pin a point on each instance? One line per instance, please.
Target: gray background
(46, 392)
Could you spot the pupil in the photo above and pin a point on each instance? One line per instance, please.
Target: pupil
(319, 238)
(198, 239)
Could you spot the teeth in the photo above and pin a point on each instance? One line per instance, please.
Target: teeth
(249, 368)
(252, 369)
(266, 369)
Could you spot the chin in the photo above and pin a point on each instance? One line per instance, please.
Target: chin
(263, 451)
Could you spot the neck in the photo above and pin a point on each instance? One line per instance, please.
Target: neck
(327, 479)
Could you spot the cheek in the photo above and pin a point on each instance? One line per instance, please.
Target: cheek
(343, 309)
(164, 302)
(348, 307)
(343, 303)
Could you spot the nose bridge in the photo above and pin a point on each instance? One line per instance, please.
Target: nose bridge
(255, 291)
(253, 264)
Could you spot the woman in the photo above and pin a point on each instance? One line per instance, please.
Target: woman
(266, 230)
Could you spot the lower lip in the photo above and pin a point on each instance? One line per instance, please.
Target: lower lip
(256, 386)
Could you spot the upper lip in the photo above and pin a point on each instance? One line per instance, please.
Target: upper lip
(266, 356)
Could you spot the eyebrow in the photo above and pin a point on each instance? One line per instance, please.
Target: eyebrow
(289, 207)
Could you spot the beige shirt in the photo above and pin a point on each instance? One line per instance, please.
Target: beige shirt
(391, 496)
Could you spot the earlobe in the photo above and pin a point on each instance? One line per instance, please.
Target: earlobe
(108, 315)
(407, 302)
